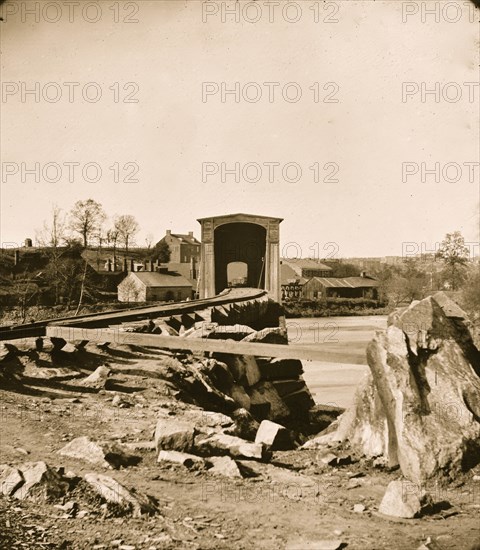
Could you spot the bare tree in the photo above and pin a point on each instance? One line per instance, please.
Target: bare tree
(86, 218)
(52, 236)
(25, 290)
(127, 227)
(149, 241)
(112, 240)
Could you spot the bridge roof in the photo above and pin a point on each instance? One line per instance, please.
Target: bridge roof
(240, 215)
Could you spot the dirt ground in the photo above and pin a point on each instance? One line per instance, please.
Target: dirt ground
(292, 502)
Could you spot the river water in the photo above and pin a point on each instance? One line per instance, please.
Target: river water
(330, 382)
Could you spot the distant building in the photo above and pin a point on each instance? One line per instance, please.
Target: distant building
(182, 247)
(303, 268)
(321, 288)
(150, 286)
(295, 273)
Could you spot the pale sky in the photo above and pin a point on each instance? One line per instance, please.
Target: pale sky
(169, 54)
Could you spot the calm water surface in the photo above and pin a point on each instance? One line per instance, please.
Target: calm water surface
(335, 382)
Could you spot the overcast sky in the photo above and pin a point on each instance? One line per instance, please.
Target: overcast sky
(358, 53)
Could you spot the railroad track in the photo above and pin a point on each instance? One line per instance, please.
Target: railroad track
(180, 312)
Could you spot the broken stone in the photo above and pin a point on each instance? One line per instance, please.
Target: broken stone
(274, 436)
(97, 379)
(274, 369)
(103, 454)
(40, 482)
(269, 335)
(230, 332)
(114, 493)
(245, 425)
(266, 403)
(240, 396)
(288, 386)
(359, 508)
(404, 499)
(225, 466)
(221, 444)
(300, 400)
(186, 459)
(244, 369)
(173, 434)
(219, 374)
(10, 479)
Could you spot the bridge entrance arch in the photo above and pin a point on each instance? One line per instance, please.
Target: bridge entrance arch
(243, 238)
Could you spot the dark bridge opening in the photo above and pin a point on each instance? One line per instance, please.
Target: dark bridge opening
(240, 242)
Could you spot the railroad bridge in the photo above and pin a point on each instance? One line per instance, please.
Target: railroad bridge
(251, 240)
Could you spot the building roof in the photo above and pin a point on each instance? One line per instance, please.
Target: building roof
(155, 279)
(306, 263)
(184, 270)
(188, 239)
(289, 276)
(347, 282)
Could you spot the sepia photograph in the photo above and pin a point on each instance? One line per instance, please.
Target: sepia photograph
(240, 274)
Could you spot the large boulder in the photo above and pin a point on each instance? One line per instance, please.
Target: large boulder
(421, 406)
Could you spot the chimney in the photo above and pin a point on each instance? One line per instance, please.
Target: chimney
(132, 266)
(363, 274)
(169, 231)
(190, 233)
(151, 266)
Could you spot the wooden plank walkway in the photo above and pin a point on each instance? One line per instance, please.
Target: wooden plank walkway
(195, 345)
